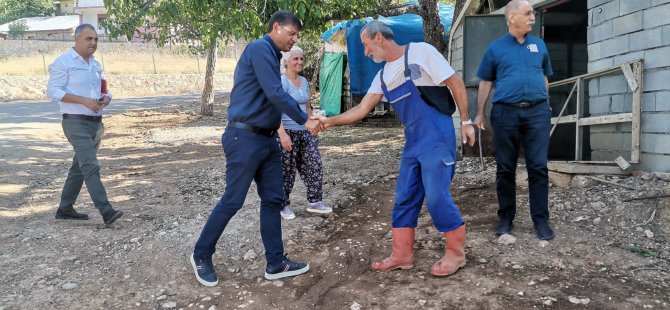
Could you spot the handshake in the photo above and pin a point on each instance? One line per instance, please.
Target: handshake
(317, 123)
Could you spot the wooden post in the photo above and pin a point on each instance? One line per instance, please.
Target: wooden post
(637, 112)
(44, 64)
(198, 60)
(578, 129)
(154, 61)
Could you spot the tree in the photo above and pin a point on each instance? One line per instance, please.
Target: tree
(18, 28)
(11, 10)
(208, 22)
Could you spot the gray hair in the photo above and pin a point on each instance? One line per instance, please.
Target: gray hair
(285, 56)
(80, 28)
(513, 5)
(374, 27)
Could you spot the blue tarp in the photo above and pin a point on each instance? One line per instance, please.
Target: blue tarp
(406, 28)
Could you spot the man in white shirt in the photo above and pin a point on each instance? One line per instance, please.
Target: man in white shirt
(75, 82)
(417, 81)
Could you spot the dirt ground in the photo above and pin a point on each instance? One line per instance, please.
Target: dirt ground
(164, 168)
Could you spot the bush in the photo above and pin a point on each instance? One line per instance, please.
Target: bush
(18, 28)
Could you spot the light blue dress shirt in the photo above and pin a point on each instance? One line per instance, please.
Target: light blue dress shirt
(70, 74)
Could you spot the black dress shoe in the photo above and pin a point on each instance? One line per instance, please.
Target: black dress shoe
(504, 227)
(110, 215)
(544, 231)
(69, 213)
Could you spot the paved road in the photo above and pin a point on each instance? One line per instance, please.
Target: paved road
(32, 141)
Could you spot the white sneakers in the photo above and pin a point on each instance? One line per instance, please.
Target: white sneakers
(313, 207)
(287, 213)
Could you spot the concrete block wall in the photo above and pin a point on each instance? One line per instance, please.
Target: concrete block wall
(620, 31)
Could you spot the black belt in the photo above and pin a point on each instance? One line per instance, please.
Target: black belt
(258, 130)
(82, 116)
(523, 104)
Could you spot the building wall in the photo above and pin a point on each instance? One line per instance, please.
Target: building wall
(620, 31)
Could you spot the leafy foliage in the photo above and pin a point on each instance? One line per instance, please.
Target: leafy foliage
(11, 10)
(203, 21)
(18, 28)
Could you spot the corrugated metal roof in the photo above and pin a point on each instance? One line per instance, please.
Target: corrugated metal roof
(47, 23)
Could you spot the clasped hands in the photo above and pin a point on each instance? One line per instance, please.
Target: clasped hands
(316, 124)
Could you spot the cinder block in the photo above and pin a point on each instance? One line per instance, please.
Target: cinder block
(594, 51)
(655, 162)
(629, 6)
(617, 104)
(656, 16)
(607, 11)
(615, 46)
(656, 80)
(656, 58)
(648, 38)
(600, 64)
(656, 123)
(458, 43)
(622, 59)
(613, 84)
(593, 87)
(627, 24)
(600, 32)
(663, 144)
(599, 105)
(648, 142)
(662, 101)
(659, 2)
(649, 102)
(593, 3)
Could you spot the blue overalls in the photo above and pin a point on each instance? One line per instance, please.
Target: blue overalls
(428, 159)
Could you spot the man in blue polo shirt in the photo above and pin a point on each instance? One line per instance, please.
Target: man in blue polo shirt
(517, 65)
(257, 102)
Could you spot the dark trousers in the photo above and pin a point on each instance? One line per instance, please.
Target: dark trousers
(304, 157)
(249, 157)
(85, 137)
(529, 127)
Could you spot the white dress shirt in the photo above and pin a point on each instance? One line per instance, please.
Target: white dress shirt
(70, 74)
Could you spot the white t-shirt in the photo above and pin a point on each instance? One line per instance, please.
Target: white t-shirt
(428, 68)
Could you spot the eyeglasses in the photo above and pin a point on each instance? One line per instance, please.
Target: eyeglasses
(529, 13)
(291, 32)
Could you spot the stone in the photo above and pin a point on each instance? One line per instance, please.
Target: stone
(649, 234)
(278, 283)
(355, 306)
(596, 221)
(250, 255)
(543, 243)
(70, 286)
(576, 300)
(598, 205)
(506, 239)
(161, 297)
(169, 305)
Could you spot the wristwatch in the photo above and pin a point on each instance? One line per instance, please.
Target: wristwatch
(468, 122)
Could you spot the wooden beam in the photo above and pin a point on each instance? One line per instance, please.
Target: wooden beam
(565, 105)
(576, 168)
(637, 112)
(631, 77)
(564, 119)
(606, 119)
(579, 133)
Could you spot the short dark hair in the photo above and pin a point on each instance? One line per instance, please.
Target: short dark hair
(284, 17)
(81, 28)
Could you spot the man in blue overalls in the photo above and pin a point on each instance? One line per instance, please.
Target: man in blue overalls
(429, 156)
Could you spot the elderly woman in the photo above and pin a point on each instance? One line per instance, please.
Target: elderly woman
(300, 149)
